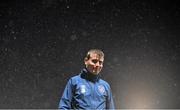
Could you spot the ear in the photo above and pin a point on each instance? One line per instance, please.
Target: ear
(85, 60)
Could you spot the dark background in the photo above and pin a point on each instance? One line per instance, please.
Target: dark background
(43, 43)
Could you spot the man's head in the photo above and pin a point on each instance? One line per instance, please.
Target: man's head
(94, 61)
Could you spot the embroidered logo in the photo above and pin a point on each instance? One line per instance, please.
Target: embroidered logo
(82, 89)
(101, 89)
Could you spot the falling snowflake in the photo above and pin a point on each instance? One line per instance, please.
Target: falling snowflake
(39, 54)
(73, 37)
(115, 59)
(14, 38)
(84, 33)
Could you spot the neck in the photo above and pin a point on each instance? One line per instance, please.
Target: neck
(89, 76)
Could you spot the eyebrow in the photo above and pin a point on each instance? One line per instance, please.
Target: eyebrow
(97, 60)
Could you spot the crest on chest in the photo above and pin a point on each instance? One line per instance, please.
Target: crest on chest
(83, 89)
(101, 89)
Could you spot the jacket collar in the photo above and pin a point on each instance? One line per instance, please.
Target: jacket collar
(85, 74)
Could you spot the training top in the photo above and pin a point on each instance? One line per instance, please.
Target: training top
(86, 91)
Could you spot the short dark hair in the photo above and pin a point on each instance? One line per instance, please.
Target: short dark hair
(96, 51)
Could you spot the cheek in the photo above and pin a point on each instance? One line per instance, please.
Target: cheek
(90, 66)
(99, 66)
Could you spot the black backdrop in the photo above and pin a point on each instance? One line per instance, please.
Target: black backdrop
(43, 43)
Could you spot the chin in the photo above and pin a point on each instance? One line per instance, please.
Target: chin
(96, 73)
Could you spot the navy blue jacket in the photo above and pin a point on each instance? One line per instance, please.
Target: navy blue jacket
(86, 91)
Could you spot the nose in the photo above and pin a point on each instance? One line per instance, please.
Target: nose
(97, 64)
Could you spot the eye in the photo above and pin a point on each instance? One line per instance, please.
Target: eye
(94, 61)
(100, 62)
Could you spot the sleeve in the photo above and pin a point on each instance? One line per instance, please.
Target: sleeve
(66, 99)
(110, 101)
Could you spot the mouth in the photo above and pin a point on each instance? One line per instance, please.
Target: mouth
(96, 70)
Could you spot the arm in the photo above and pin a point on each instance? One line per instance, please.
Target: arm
(66, 99)
(110, 102)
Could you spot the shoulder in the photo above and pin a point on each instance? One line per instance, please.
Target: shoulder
(105, 83)
(75, 79)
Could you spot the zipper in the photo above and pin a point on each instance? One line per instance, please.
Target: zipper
(92, 85)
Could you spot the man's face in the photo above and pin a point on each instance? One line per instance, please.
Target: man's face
(94, 64)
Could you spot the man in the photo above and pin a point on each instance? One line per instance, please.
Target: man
(87, 90)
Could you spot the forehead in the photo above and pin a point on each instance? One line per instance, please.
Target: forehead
(96, 56)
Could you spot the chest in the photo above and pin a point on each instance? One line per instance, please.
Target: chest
(90, 90)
